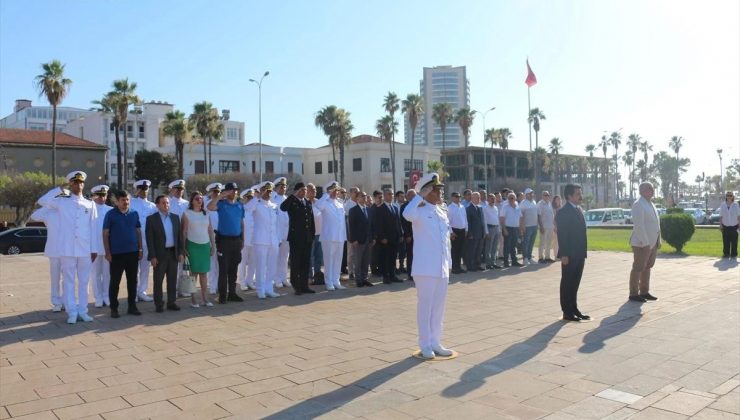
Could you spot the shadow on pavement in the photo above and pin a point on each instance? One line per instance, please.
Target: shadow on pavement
(626, 317)
(725, 264)
(511, 357)
(325, 403)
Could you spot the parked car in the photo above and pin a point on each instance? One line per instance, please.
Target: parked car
(714, 217)
(627, 216)
(600, 217)
(699, 216)
(22, 240)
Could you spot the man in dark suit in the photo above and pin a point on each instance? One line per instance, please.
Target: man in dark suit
(301, 231)
(165, 251)
(477, 231)
(360, 239)
(408, 234)
(387, 232)
(377, 201)
(571, 228)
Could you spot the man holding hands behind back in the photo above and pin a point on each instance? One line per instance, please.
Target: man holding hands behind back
(571, 228)
(645, 242)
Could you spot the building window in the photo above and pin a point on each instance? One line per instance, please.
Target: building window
(418, 164)
(254, 167)
(269, 167)
(37, 126)
(385, 164)
(331, 167)
(357, 164)
(225, 166)
(317, 168)
(232, 134)
(200, 167)
(290, 167)
(141, 131)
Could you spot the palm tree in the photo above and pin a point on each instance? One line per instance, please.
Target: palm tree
(490, 136)
(413, 107)
(343, 129)
(555, 147)
(175, 125)
(503, 140)
(645, 147)
(125, 96)
(385, 127)
(629, 161)
(202, 121)
(442, 115)
(535, 116)
(52, 84)
(604, 144)
(391, 106)
(216, 132)
(675, 144)
(633, 142)
(107, 105)
(464, 118)
(325, 120)
(590, 150)
(616, 140)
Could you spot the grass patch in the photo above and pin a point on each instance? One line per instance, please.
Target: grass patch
(705, 242)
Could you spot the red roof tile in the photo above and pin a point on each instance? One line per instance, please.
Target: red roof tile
(43, 138)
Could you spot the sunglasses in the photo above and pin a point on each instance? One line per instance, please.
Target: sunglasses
(199, 198)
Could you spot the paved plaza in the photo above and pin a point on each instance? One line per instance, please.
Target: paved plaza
(346, 354)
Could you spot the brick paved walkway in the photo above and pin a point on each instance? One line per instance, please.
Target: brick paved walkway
(345, 354)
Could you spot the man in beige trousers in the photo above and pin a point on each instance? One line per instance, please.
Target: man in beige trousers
(645, 241)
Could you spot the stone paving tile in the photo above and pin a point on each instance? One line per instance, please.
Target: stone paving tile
(652, 413)
(683, 403)
(91, 408)
(710, 414)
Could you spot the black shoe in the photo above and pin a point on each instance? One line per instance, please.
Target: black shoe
(506, 265)
(307, 290)
(411, 278)
(517, 264)
(114, 313)
(396, 280)
(298, 292)
(233, 297)
(360, 284)
(550, 260)
(159, 309)
(648, 296)
(386, 280)
(402, 270)
(583, 317)
(541, 261)
(133, 311)
(368, 284)
(497, 267)
(637, 298)
(571, 318)
(172, 307)
(221, 300)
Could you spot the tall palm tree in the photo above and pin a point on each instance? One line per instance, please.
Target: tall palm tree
(604, 144)
(535, 116)
(442, 115)
(175, 125)
(385, 127)
(629, 160)
(464, 118)
(54, 86)
(413, 107)
(325, 120)
(490, 136)
(216, 132)
(391, 106)
(590, 150)
(343, 129)
(633, 142)
(202, 120)
(503, 140)
(675, 144)
(125, 96)
(615, 139)
(555, 147)
(108, 105)
(645, 147)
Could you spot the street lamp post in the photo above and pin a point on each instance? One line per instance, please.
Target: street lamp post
(485, 161)
(259, 88)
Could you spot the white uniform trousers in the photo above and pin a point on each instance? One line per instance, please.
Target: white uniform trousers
(333, 251)
(265, 257)
(100, 279)
(143, 277)
(546, 244)
(280, 277)
(246, 267)
(213, 275)
(55, 270)
(431, 296)
(75, 272)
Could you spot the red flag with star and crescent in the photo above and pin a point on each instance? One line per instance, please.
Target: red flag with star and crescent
(531, 78)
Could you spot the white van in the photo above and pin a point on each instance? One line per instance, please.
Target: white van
(600, 217)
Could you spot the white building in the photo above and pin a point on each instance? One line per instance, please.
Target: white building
(28, 117)
(367, 163)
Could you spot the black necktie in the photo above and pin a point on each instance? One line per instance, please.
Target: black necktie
(364, 211)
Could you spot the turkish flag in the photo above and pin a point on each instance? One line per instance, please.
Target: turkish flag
(531, 78)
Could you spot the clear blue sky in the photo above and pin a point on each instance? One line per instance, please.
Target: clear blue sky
(657, 68)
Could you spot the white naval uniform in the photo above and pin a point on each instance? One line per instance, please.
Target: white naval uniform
(178, 207)
(213, 274)
(50, 217)
(431, 268)
(247, 266)
(77, 242)
(100, 272)
(144, 208)
(333, 236)
(265, 214)
(281, 269)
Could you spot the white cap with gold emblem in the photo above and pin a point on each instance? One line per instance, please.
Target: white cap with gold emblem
(100, 189)
(76, 176)
(332, 185)
(281, 181)
(215, 186)
(178, 183)
(428, 181)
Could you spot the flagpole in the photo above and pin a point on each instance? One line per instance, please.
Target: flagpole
(529, 105)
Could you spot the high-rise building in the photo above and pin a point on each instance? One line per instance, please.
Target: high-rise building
(440, 84)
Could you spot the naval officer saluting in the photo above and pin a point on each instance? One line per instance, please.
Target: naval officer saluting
(77, 240)
(431, 267)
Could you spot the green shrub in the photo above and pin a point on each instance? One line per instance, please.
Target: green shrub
(674, 210)
(677, 229)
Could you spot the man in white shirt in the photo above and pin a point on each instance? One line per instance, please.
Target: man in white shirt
(281, 269)
(333, 234)
(178, 205)
(78, 242)
(546, 221)
(264, 214)
(144, 208)
(100, 272)
(213, 190)
(529, 219)
(645, 241)
(510, 217)
(491, 216)
(52, 250)
(729, 219)
(246, 266)
(458, 219)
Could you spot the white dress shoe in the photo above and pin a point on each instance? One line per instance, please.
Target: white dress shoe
(194, 305)
(339, 286)
(272, 294)
(98, 304)
(441, 351)
(427, 354)
(145, 298)
(330, 288)
(72, 319)
(56, 308)
(260, 296)
(85, 317)
(208, 304)
(183, 295)
(244, 288)
(278, 285)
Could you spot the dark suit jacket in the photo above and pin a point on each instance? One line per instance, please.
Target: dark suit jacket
(571, 228)
(386, 224)
(301, 227)
(408, 231)
(476, 223)
(359, 226)
(155, 239)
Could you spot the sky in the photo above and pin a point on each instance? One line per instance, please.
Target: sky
(656, 68)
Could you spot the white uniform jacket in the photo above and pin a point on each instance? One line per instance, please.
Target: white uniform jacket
(178, 206)
(283, 218)
(248, 226)
(265, 215)
(333, 226)
(645, 224)
(144, 208)
(50, 217)
(78, 218)
(432, 246)
(103, 209)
